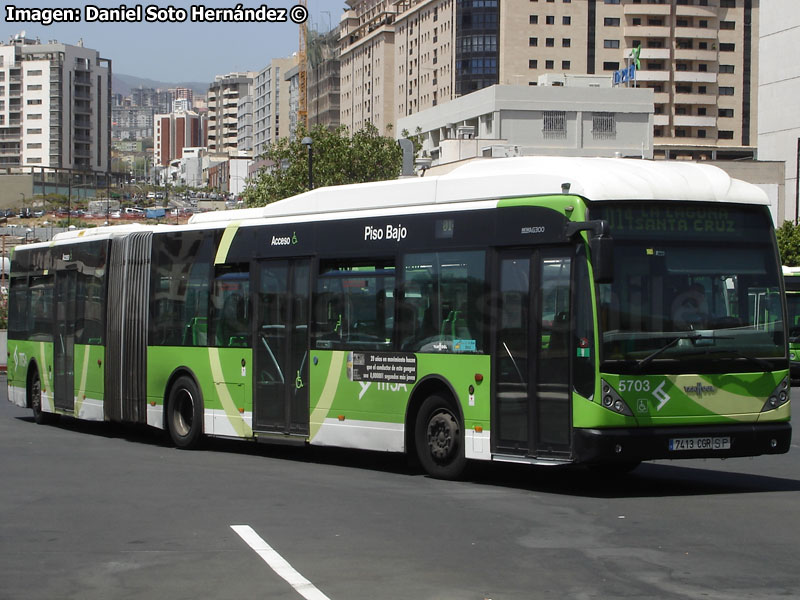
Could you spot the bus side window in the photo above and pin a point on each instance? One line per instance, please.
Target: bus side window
(443, 302)
(19, 308)
(42, 308)
(354, 305)
(230, 312)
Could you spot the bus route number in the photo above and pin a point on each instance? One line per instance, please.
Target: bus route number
(634, 385)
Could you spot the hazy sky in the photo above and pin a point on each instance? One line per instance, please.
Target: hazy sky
(182, 51)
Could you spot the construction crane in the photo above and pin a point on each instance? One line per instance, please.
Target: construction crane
(302, 74)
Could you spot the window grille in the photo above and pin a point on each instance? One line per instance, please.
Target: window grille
(555, 124)
(604, 126)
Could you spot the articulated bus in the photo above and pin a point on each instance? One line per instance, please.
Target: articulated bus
(791, 277)
(536, 310)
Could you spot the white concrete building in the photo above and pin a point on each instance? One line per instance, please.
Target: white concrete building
(505, 120)
(55, 106)
(778, 91)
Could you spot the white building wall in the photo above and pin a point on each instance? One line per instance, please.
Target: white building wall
(778, 91)
(35, 147)
(522, 118)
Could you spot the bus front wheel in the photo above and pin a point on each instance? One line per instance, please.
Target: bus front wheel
(439, 439)
(185, 413)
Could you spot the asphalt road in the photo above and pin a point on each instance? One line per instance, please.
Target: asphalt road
(96, 511)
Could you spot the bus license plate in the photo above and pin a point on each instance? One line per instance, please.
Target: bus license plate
(700, 443)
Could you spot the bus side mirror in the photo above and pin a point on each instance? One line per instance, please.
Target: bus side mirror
(601, 246)
(602, 249)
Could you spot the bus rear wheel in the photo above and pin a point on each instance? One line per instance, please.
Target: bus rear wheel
(439, 439)
(35, 399)
(185, 413)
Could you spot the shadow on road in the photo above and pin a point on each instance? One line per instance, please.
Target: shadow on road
(649, 480)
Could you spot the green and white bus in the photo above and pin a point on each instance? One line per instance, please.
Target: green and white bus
(533, 310)
(791, 277)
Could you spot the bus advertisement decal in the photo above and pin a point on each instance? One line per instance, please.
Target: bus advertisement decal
(382, 367)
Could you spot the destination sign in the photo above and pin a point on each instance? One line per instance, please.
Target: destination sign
(680, 222)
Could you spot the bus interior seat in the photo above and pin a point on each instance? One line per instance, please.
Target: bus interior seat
(196, 332)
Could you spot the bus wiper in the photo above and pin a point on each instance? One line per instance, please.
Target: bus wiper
(693, 336)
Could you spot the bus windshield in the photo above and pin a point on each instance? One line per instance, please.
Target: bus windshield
(694, 288)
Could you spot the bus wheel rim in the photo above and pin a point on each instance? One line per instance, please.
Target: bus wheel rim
(442, 434)
(184, 413)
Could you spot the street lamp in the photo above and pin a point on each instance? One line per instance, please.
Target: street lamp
(307, 142)
(22, 210)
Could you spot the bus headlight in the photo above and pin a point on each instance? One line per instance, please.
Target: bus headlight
(779, 396)
(612, 400)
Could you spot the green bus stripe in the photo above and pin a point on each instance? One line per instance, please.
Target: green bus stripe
(225, 398)
(82, 385)
(225, 243)
(328, 393)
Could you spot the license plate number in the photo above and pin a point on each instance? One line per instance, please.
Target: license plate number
(700, 443)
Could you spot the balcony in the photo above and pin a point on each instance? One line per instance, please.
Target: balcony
(693, 121)
(701, 33)
(695, 99)
(706, 55)
(704, 12)
(660, 120)
(653, 75)
(646, 9)
(646, 31)
(651, 53)
(696, 76)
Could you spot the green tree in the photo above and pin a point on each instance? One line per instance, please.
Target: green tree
(788, 236)
(338, 159)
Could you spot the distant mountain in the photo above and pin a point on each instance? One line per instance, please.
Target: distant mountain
(123, 84)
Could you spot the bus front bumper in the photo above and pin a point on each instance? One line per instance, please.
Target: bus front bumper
(716, 441)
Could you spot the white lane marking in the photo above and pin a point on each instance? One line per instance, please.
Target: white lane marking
(278, 564)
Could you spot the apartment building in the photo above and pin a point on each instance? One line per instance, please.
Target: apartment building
(223, 111)
(271, 103)
(699, 57)
(367, 56)
(175, 131)
(55, 106)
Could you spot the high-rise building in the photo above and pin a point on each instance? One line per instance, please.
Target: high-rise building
(700, 58)
(55, 106)
(223, 110)
(271, 107)
(173, 133)
(367, 55)
(181, 93)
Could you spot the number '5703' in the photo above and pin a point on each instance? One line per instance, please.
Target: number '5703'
(634, 385)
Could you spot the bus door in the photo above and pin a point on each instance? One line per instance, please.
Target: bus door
(280, 346)
(532, 415)
(64, 342)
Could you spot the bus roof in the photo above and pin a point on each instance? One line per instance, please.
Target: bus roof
(95, 233)
(596, 179)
